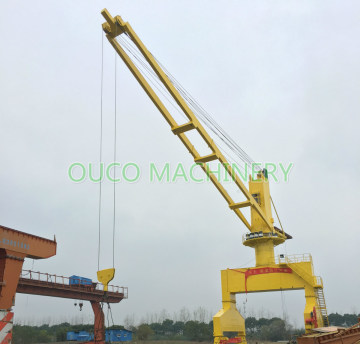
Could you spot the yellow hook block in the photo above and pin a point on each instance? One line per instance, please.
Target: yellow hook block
(105, 276)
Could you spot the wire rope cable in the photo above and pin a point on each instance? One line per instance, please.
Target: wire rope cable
(235, 153)
(112, 319)
(283, 306)
(101, 143)
(277, 215)
(198, 110)
(115, 155)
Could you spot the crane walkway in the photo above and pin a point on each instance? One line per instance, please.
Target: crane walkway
(38, 283)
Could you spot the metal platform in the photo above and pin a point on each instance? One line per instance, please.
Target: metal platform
(37, 283)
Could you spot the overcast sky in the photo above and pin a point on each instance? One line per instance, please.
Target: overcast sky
(281, 77)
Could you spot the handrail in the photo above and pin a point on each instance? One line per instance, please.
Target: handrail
(301, 258)
(318, 280)
(256, 235)
(294, 258)
(65, 281)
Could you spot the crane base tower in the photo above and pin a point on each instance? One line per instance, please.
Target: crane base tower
(15, 246)
(284, 272)
(288, 273)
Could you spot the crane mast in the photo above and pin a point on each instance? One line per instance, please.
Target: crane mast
(270, 273)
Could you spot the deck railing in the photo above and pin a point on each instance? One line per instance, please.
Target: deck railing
(65, 281)
(293, 258)
(255, 235)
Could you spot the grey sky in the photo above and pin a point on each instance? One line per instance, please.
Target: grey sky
(281, 77)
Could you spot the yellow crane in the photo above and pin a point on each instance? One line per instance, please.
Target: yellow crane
(270, 273)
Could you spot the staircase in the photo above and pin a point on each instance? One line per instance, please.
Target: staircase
(292, 262)
(322, 305)
(315, 281)
(311, 279)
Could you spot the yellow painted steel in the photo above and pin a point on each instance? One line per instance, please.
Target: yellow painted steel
(269, 274)
(113, 27)
(105, 276)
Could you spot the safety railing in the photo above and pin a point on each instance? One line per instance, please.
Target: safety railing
(293, 258)
(72, 282)
(256, 235)
(318, 281)
(301, 258)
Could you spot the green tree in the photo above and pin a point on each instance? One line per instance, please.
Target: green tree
(350, 319)
(168, 326)
(275, 331)
(346, 320)
(262, 322)
(191, 330)
(179, 327)
(157, 328)
(196, 331)
(43, 337)
(144, 331)
(251, 324)
(336, 319)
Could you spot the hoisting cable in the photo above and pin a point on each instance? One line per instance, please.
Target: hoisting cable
(112, 319)
(107, 317)
(108, 324)
(273, 204)
(196, 107)
(101, 140)
(108, 320)
(155, 81)
(115, 142)
(152, 77)
(199, 111)
(203, 113)
(283, 306)
(244, 305)
(106, 275)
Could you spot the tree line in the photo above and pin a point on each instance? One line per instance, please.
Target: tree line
(273, 329)
(345, 320)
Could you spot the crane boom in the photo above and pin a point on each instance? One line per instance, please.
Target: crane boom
(114, 27)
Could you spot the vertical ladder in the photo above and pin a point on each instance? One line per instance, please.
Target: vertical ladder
(322, 305)
(316, 282)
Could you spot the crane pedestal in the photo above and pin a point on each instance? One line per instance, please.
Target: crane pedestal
(37, 283)
(99, 322)
(15, 246)
(287, 273)
(270, 274)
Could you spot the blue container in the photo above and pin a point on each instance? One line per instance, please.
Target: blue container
(74, 280)
(111, 336)
(86, 281)
(71, 336)
(79, 336)
(78, 280)
(118, 335)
